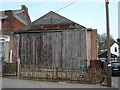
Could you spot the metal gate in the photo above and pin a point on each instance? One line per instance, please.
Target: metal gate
(9, 69)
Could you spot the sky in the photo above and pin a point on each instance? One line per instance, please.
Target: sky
(89, 14)
(118, 20)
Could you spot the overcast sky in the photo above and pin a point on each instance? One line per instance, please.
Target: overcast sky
(88, 14)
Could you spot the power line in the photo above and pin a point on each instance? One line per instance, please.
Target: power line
(58, 7)
(66, 6)
(98, 14)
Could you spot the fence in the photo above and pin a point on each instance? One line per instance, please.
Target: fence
(93, 76)
(96, 75)
(9, 69)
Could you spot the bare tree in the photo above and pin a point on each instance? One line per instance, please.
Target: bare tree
(102, 41)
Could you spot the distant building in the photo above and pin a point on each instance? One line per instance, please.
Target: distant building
(114, 49)
(11, 20)
(53, 40)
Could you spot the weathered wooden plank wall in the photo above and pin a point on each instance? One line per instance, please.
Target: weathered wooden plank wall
(62, 49)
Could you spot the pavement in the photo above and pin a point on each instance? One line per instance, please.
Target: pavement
(17, 83)
(115, 82)
(0, 75)
(0, 68)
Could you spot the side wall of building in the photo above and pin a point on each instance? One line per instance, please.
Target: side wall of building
(92, 45)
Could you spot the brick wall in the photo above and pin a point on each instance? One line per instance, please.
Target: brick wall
(17, 24)
(14, 47)
(92, 45)
(6, 26)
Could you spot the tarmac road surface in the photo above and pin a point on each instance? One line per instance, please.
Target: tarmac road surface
(17, 83)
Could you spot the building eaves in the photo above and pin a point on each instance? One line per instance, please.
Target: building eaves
(40, 30)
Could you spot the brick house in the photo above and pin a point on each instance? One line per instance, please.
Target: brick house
(11, 20)
(53, 40)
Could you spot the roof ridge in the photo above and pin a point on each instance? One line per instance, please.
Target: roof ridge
(41, 17)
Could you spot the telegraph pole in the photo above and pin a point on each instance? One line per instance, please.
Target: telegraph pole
(108, 44)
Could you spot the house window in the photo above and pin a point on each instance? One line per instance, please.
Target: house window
(115, 49)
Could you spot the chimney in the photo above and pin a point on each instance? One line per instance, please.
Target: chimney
(24, 8)
(8, 13)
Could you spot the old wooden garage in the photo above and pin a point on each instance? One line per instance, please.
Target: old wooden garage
(53, 40)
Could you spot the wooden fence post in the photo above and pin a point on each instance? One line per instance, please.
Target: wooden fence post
(56, 73)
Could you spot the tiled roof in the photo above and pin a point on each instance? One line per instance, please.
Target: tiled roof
(54, 18)
(22, 16)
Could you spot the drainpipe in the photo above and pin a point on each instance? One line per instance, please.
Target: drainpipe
(18, 56)
(86, 62)
(11, 55)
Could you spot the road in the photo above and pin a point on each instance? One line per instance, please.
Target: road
(16, 83)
